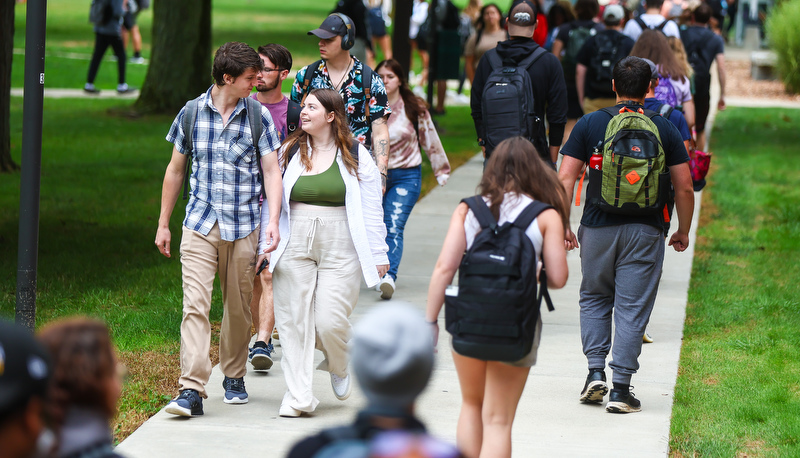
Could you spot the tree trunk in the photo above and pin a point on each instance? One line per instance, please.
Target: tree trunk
(180, 63)
(6, 56)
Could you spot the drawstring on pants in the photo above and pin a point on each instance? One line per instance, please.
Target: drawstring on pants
(313, 230)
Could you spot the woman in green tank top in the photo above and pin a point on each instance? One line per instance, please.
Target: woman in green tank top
(332, 232)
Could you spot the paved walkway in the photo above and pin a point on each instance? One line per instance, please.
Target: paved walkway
(550, 420)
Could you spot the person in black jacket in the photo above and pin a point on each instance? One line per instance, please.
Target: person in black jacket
(549, 89)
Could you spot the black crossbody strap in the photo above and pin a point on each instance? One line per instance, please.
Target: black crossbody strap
(256, 129)
(189, 116)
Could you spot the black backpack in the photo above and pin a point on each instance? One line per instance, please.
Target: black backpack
(602, 62)
(256, 127)
(507, 105)
(100, 11)
(493, 315)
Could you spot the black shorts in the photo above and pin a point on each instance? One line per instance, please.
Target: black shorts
(702, 101)
(129, 20)
(574, 110)
(376, 24)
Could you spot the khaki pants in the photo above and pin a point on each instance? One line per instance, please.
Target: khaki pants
(202, 257)
(316, 283)
(592, 105)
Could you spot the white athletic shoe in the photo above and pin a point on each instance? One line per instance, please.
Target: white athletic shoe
(341, 386)
(387, 287)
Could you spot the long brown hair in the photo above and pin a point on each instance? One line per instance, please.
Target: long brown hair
(332, 102)
(83, 365)
(515, 166)
(415, 106)
(653, 45)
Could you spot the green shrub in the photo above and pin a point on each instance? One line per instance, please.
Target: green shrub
(785, 38)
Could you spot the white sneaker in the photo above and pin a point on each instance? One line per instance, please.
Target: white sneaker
(341, 386)
(289, 411)
(387, 287)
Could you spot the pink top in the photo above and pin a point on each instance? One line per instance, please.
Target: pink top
(404, 148)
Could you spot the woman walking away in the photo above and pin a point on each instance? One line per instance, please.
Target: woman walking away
(85, 388)
(410, 129)
(332, 233)
(674, 87)
(488, 32)
(515, 176)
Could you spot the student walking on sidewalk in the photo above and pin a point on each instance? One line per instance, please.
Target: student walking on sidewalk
(515, 176)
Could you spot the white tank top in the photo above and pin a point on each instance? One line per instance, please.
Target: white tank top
(512, 206)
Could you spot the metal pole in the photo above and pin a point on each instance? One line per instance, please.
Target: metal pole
(433, 45)
(36, 19)
(401, 46)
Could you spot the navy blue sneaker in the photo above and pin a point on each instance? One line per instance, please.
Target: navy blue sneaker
(595, 387)
(622, 401)
(261, 357)
(187, 404)
(234, 390)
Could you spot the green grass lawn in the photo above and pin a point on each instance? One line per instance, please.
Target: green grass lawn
(100, 198)
(738, 391)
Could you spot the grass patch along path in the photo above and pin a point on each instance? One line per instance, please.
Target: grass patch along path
(738, 389)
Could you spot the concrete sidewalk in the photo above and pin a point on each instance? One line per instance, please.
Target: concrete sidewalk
(550, 420)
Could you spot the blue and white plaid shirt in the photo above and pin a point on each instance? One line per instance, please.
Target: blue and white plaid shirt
(224, 179)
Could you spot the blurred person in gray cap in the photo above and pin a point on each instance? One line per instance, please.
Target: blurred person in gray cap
(24, 376)
(392, 358)
(366, 101)
(596, 60)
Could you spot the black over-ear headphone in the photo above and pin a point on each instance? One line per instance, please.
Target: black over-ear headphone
(349, 40)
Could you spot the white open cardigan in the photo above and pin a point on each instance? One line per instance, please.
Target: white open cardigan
(364, 206)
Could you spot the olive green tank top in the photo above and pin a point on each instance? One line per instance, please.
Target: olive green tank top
(326, 189)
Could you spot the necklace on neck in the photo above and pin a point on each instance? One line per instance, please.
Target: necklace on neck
(324, 147)
(338, 86)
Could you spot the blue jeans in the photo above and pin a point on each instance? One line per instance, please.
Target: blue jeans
(402, 192)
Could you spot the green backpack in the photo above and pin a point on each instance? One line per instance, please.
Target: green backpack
(634, 179)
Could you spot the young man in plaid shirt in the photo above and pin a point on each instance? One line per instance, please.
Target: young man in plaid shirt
(220, 231)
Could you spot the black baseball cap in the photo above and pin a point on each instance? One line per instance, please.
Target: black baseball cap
(24, 366)
(331, 27)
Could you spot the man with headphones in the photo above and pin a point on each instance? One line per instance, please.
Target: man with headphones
(366, 101)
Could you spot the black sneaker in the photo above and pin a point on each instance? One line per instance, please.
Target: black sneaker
(187, 404)
(234, 391)
(595, 387)
(620, 401)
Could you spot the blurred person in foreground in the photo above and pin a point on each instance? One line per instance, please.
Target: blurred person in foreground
(24, 375)
(392, 357)
(85, 388)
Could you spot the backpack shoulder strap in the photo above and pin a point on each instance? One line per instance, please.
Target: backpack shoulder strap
(522, 222)
(256, 129)
(366, 84)
(641, 23)
(609, 111)
(354, 149)
(309, 75)
(493, 58)
(189, 117)
(532, 57)
(662, 25)
(292, 117)
(481, 212)
(530, 213)
(666, 110)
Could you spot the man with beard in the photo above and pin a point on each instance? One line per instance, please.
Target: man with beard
(286, 117)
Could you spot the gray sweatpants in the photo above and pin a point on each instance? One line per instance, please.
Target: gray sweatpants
(621, 267)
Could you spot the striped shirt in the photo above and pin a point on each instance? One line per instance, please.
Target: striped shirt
(224, 179)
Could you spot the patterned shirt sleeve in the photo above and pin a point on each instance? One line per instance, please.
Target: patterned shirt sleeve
(298, 81)
(379, 101)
